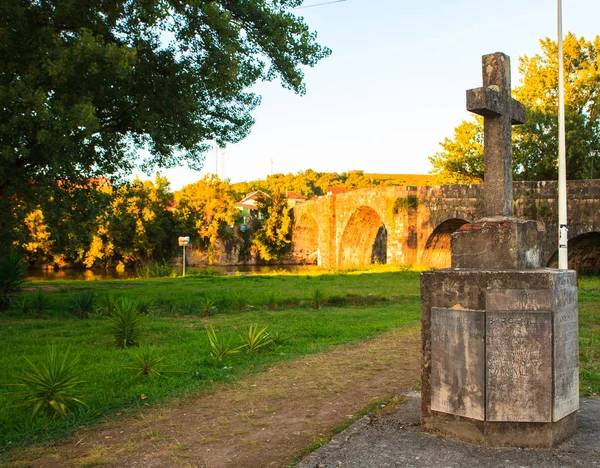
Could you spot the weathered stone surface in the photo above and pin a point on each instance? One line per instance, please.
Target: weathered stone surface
(525, 309)
(566, 348)
(457, 355)
(519, 366)
(500, 112)
(519, 299)
(498, 243)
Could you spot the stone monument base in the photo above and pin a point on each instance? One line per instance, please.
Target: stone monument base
(501, 434)
(500, 350)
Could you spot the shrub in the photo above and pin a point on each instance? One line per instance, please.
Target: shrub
(12, 274)
(239, 302)
(146, 362)
(317, 299)
(255, 338)
(219, 348)
(271, 300)
(40, 303)
(84, 304)
(52, 387)
(144, 307)
(107, 306)
(126, 322)
(207, 305)
(405, 203)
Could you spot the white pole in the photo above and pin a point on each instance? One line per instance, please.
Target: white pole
(216, 159)
(183, 260)
(563, 262)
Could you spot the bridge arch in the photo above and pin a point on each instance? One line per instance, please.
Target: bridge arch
(363, 240)
(306, 240)
(584, 253)
(436, 253)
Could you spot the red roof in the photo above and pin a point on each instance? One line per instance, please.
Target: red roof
(335, 190)
(294, 195)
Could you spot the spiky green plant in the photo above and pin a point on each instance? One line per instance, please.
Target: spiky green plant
(84, 304)
(219, 348)
(272, 301)
(317, 299)
(12, 274)
(146, 362)
(255, 338)
(40, 303)
(239, 302)
(126, 323)
(52, 387)
(207, 305)
(144, 307)
(107, 306)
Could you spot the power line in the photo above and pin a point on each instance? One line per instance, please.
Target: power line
(319, 4)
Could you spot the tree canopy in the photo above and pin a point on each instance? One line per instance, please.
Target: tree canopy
(85, 85)
(535, 144)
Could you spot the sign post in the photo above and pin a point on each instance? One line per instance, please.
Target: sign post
(183, 241)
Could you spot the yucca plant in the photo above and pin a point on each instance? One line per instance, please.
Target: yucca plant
(239, 302)
(317, 299)
(271, 301)
(255, 338)
(146, 362)
(126, 322)
(12, 274)
(279, 338)
(107, 306)
(219, 348)
(207, 305)
(40, 303)
(144, 307)
(84, 304)
(52, 387)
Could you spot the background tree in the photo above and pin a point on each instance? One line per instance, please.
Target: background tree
(136, 227)
(274, 238)
(204, 210)
(535, 144)
(461, 161)
(85, 85)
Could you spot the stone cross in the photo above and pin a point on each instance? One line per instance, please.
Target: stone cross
(500, 112)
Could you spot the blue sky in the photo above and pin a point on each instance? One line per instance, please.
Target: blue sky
(393, 87)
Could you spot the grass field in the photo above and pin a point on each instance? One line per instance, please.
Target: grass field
(353, 307)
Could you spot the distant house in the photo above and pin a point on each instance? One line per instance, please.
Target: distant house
(335, 190)
(294, 199)
(248, 205)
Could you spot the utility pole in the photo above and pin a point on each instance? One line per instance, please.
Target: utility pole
(563, 236)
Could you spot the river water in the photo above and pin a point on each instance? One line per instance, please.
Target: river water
(79, 274)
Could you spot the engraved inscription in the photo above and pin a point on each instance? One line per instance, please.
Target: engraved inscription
(519, 366)
(457, 362)
(518, 299)
(566, 365)
(565, 298)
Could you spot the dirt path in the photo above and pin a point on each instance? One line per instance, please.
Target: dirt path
(262, 421)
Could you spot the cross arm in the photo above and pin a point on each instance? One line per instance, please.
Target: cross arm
(517, 112)
(488, 102)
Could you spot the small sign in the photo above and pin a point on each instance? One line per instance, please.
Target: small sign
(183, 241)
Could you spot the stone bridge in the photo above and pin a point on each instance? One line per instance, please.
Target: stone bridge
(412, 225)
